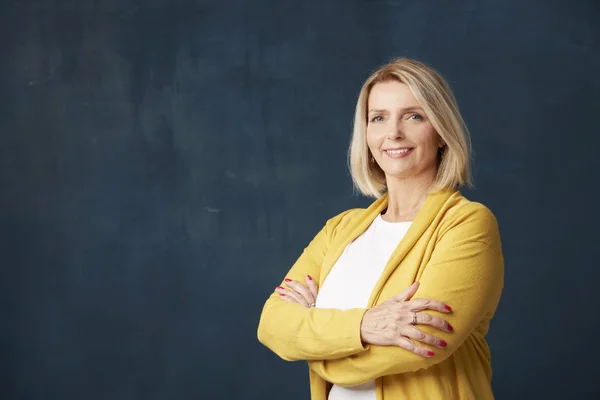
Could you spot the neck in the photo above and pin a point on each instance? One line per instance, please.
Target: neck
(406, 197)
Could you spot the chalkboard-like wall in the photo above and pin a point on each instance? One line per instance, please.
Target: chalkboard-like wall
(162, 164)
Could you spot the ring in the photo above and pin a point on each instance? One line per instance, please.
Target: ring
(414, 321)
(311, 305)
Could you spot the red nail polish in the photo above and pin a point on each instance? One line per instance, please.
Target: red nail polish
(443, 343)
(288, 280)
(430, 353)
(281, 294)
(448, 308)
(280, 287)
(450, 328)
(309, 277)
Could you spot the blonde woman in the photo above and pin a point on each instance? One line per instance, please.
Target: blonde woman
(394, 301)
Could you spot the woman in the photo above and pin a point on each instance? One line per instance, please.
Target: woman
(394, 301)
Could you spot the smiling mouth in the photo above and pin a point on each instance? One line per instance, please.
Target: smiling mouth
(397, 152)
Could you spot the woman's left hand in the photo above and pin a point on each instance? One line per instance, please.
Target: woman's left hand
(298, 293)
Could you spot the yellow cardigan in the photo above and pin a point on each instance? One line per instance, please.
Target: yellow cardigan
(453, 249)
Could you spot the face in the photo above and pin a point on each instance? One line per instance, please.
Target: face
(399, 134)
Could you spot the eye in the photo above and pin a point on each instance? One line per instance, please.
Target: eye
(377, 118)
(415, 116)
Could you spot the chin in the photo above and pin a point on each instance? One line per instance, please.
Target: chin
(403, 173)
(397, 168)
(398, 174)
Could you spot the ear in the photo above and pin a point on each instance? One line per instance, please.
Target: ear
(441, 143)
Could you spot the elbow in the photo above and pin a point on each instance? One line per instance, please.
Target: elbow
(261, 332)
(270, 341)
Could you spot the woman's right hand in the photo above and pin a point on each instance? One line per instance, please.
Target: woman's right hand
(391, 322)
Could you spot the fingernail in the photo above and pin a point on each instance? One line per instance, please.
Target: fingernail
(443, 343)
(281, 294)
(430, 353)
(448, 308)
(309, 277)
(280, 287)
(450, 328)
(288, 280)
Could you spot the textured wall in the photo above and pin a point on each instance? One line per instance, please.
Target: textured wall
(162, 164)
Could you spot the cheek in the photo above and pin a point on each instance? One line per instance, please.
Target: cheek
(372, 140)
(430, 141)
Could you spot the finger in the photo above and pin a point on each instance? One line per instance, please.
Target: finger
(282, 294)
(301, 289)
(312, 286)
(409, 345)
(424, 318)
(406, 293)
(416, 334)
(428, 304)
(298, 298)
(288, 298)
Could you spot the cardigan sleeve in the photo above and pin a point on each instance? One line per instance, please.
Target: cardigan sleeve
(466, 270)
(297, 333)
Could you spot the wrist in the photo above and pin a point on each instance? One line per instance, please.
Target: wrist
(363, 330)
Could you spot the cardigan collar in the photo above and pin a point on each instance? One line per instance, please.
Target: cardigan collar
(429, 211)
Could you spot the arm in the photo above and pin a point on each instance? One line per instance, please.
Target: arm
(466, 270)
(297, 333)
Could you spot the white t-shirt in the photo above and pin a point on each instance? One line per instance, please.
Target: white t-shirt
(352, 279)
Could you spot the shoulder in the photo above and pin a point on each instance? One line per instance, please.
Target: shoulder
(344, 219)
(471, 219)
(462, 208)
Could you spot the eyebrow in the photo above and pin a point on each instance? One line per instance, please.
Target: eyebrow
(412, 108)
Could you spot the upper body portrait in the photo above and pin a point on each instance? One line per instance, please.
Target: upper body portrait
(394, 301)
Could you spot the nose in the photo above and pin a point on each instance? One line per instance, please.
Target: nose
(395, 131)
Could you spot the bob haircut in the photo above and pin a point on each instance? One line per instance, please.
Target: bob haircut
(439, 104)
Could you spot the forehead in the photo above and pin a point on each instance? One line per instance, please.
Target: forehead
(391, 94)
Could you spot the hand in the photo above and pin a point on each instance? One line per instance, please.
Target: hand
(298, 293)
(391, 322)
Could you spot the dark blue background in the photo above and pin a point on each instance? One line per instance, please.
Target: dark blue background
(163, 163)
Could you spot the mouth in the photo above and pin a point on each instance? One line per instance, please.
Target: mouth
(398, 153)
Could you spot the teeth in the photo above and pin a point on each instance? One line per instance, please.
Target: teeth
(397, 151)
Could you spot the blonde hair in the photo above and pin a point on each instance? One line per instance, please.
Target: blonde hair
(439, 104)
